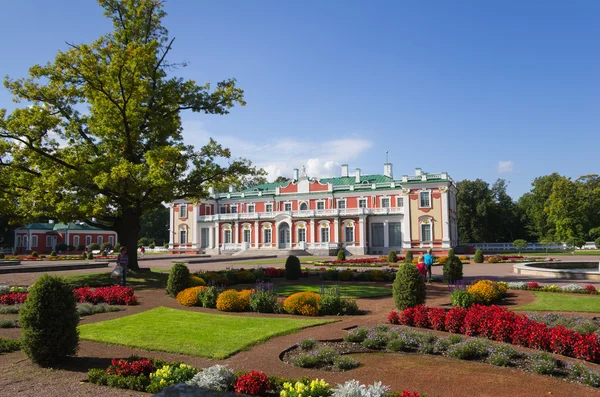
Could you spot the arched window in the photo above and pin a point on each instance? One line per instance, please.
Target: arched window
(303, 206)
(426, 230)
(349, 232)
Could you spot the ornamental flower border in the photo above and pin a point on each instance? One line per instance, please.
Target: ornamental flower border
(500, 324)
(113, 295)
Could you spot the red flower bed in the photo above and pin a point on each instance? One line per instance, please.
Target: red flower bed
(123, 367)
(115, 295)
(13, 298)
(359, 261)
(533, 285)
(501, 324)
(272, 272)
(255, 383)
(408, 393)
(590, 288)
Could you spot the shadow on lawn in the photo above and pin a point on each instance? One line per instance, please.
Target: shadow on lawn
(136, 279)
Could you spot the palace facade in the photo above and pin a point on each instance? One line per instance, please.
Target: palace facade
(364, 214)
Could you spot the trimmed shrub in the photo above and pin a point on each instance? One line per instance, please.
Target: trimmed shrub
(293, 271)
(341, 255)
(189, 296)
(152, 245)
(303, 303)
(597, 243)
(478, 258)
(392, 257)
(196, 281)
(408, 288)
(34, 254)
(93, 247)
(486, 291)
(106, 246)
(451, 252)
(61, 247)
(179, 279)
(453, 269)
(49, 321)
(90, 256)
(409, 257)
(53, 253)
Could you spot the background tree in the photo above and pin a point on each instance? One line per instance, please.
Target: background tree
(100, 135)
(282, 179)
(474, 207)
(154, 225)
(520, 244)
(533, 205)
(565, 210)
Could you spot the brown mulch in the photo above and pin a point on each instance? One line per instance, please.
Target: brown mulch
(437, 376)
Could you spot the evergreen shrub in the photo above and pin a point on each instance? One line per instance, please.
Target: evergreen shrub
(293, 271)
(341, 255)
(34, 254)
(453, 269)
(392, 257)
(408, 288)
(478, 258)
(409, 257)
(89, 255)
(49, 321)
(61, 247)
(53, 253)
(597, 243)
(179, 279)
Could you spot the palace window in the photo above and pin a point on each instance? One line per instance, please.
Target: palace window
(34, 241)
(399, 201)
(49, 241)
(222, 209)
(76, 241)
(385, 202)
(349, 232)
(426, 232)
(425, 199)
(18, 241)
(377, 235)
(341, 204)
(183, 210)
(247, 236)
(250, 208)
(111, 241)
(100, 240)
(25, 241)
(233, 209)
(183, 237)
(302, 235)
(287, 206)
(395, 234)
(269, 207)
(362, 203)
(227, 236)
(303, 206)
(324, 234)
(88, 241)
(320, 205)
(268, 238)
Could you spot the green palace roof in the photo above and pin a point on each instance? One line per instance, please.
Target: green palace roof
(58, 226)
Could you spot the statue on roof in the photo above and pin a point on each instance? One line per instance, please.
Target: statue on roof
(304, 171)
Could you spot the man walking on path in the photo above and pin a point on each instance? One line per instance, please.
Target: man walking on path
(428, 259)
(122, 261)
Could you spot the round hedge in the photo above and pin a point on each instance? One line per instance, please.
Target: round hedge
(408, 288)
(392, 257)
(478, 258)
(179, 279)
(49, 321)
(409, 257)
(341, 255)
(293, 271)
(303, 303)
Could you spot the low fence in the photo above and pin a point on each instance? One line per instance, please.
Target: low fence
(531, 247)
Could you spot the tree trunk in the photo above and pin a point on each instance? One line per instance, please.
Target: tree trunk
(128, 230)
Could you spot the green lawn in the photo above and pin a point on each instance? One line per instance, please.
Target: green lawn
(303, 259)
(199, 334)
(549, 301)
(347, 291)
(156, 278)
(550, 253)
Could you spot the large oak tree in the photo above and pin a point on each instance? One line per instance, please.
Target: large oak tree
(100, 135)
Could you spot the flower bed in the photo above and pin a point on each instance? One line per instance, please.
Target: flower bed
(13, 298)
(517, 259)
(501, 324)
(401, 339)
(149, 375)
(534, 286)
(115, 295)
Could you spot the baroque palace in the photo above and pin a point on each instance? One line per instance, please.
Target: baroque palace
(364, 214)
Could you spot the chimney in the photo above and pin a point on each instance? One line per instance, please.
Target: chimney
(231, 188)
(344, 170)
(418, 172)
(296, 174)
(387, 170)
(211, 190)
(357, 176)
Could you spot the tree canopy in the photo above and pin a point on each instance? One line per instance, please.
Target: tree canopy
(100, 132)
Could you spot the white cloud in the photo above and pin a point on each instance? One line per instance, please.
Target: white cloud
(280, 156)
(505, 167)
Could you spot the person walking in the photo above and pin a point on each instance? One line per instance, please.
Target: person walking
(122, 261)
(428, 259)
(142, 250)
(421, 267)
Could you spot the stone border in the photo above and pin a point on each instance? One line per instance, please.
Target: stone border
(564, 270)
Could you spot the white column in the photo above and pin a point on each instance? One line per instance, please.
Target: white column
(217, 236)
(171, 225)
(336, 233)
(386, 234)
(195, 230)
(256, 234)
(406, 223)
(312, 232)
(237, 232)
(211, 239)
(445, 221)
(361, 225)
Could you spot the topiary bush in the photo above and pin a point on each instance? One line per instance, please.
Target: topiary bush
(152, 245)
(190, 296)
(93, 247)
(409, 257)
(453, 269)
(34, 254)
(49, 321)
(392, 257)
(303, 303)
(478, 258)
(451, 252)
(179, 279)
(53, 253)
(341, 255)
(293, 271)
(61, 247)
(90, 256)
(234, 301)
(408, 288)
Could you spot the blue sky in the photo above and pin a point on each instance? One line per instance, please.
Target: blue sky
(494, 89)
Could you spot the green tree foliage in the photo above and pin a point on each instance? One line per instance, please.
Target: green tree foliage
(597, 243)
(565, 211)
(408, 288)
(520, 244)
(155, 225)
(100, 133)
(534, 205)
(478, 258)
(49, 321)
(293, 271)
(179, 279)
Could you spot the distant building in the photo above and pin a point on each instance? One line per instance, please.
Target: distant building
(365, 214)
(43, 237)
